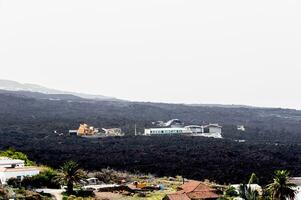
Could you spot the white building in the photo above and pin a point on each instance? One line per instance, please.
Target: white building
(10, 168)
(194, 129)
(211, 130)
(241, 128)
(214, 128)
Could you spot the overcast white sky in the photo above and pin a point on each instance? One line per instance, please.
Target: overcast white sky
(203, 51)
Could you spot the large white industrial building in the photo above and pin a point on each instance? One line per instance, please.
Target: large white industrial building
(211, 130)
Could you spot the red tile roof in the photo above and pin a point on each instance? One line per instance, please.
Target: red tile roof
(177, 197)
(194, 186)
(194, 190)
(203, 195)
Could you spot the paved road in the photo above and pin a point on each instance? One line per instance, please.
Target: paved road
(56, 193)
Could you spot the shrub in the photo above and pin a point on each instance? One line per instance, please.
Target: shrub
(47, 178)
(231, 192)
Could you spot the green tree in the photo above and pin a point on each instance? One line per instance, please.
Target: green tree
(70, 173)
(281, 189)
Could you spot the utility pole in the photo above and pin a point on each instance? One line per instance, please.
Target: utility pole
(135, 130)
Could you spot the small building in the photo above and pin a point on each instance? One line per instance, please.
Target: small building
(12, 168)
(195, 190)
(213, 128)
(72, 132)
(241, 128)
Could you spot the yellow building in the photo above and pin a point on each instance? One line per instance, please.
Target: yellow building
(85, 129)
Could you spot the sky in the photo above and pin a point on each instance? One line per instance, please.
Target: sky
(174, 51)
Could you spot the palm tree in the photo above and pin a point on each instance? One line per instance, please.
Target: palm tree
(281, 189)
(70, 173)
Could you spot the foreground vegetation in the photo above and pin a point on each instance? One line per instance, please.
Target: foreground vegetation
(71, 176)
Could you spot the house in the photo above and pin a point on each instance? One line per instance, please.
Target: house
(195, 190)
(12, 168)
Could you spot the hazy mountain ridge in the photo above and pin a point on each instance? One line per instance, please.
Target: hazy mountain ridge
(16, 86)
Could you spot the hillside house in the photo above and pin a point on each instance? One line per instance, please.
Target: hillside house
(194, 190)
(11, 168)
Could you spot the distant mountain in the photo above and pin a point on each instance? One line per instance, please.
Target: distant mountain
(16, 86)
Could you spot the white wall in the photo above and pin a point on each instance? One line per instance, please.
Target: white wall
(4, 176)
(215, 130)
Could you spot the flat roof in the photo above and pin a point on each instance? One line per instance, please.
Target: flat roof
(21, 169)
(9, 161)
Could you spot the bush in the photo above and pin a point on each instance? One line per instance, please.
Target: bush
(47, 178)
(231, 192)
(14, 182)
(4, 193)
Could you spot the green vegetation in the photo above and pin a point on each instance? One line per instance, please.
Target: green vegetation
(46, 178)
(231, 192)
(11, 153)
(70, 174)
(4, 193)
(281, 189)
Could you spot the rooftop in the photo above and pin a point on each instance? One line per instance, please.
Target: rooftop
(194, 190)
(23, 169)
(9, 161)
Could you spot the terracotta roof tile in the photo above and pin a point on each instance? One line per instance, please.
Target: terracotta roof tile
(195, 186)
(203, 195)
(194, 190)
(178, 197)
